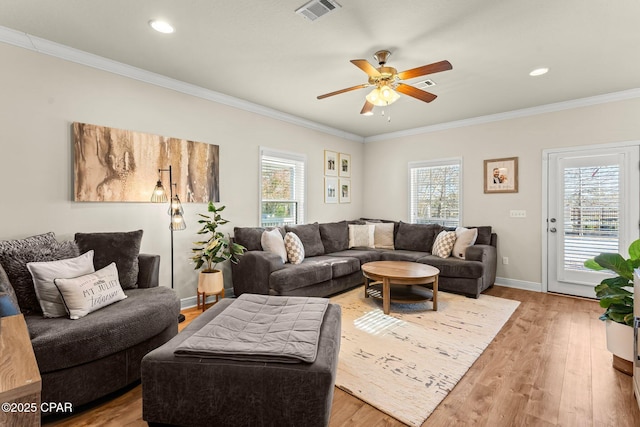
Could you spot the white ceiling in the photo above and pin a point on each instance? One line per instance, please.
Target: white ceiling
(262, 52)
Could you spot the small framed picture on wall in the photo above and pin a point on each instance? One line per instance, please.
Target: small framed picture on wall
(345, 190)
(330, 163)
(330, 190)
(344, 165)
(501, 175)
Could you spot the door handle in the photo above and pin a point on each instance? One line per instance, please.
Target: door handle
(552, 229)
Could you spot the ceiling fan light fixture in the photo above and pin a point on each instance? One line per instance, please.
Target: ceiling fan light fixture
(383, 95)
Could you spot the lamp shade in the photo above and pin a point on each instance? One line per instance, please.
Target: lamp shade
(382, 96)
(177, 222)
(175, 207)
(159, 195)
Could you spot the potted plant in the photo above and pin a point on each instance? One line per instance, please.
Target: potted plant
(616, 297)
(214, 249)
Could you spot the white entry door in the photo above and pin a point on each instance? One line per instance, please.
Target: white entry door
(593, 207)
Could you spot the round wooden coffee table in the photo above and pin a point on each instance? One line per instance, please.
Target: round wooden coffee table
(387, 273)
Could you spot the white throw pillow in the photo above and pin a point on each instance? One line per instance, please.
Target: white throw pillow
(443, 244)
(85, 294)
(465, 237)
(361, 235)
(272, 241)
(383, 235)
(294, 247)
(43, 274)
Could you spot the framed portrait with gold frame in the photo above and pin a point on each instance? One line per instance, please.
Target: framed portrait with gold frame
(501, 175)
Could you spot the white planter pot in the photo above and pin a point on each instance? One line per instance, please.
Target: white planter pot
(620, 340)
(210, 282)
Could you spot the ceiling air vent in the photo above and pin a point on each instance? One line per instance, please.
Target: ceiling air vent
(317, 8)
(425, 84)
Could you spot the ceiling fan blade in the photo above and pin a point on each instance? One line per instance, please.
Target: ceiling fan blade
(367, 108)
(415, 92)
(338, 92)
(365, 66)
(436, 67)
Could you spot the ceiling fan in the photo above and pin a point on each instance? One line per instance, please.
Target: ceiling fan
(387, 80)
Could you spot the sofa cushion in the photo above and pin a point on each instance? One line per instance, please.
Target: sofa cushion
(61, 343)
(362, 255)
(272, 241)
(44, 273)
(294, 247)
(309, 234)
(416, 237)
(294, 276)
(335, 236)
(383, 235)
(361, 236)
(249, 237)
(465, 237)
(14, 256)
(444, 243)
(454, 267)
(402, 255)
(484, 235)
(121, 248)
(85, 294)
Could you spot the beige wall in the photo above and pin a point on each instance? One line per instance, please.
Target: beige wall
(386, 194)
(41, 96)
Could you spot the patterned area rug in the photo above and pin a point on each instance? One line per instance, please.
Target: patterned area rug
(405, 363)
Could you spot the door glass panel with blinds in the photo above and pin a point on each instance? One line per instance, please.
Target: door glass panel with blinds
(282, 188)
(593, 208)
(434, 192)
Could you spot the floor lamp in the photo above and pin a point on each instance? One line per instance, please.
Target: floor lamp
(175, 212)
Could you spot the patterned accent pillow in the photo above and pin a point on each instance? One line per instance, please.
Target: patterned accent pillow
(294, 247)
(443, 244)
(362, 235)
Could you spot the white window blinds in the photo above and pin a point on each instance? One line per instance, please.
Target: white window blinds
(282, 188)
(434, 192)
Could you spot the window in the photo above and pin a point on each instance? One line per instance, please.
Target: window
(282, 188)
(434, 192)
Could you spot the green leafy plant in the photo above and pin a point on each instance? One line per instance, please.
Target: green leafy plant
(217, 247)
(612, 292)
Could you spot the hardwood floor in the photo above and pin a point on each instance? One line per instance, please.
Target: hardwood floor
(548, 366)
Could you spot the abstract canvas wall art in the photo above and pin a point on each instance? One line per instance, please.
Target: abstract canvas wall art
(115, 165)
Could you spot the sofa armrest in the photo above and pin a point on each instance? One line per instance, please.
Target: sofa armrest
(488, 256)
(149, 270)
(251, 273)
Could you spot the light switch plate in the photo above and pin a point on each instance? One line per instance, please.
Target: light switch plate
(518, 213)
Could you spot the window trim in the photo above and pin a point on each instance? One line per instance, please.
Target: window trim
(432, 163)
(287, 155)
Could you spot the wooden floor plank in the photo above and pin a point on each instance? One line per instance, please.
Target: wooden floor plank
(548, 366)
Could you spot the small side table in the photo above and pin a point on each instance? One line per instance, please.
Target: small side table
(20, 382)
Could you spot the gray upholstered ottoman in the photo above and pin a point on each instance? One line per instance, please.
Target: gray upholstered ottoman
(193, 391)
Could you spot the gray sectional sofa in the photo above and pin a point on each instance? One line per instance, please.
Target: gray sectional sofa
(331, 266)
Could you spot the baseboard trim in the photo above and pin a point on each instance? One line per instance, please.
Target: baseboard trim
(519, 284)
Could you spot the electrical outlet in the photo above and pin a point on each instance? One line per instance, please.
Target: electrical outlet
(505, 260)
(518, 213)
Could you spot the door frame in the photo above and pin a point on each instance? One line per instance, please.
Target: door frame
(545, 195)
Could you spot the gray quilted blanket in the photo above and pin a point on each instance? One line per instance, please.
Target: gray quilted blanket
(261, 328)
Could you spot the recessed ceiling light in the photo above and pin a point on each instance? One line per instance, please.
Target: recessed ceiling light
(161, 26)
(539, 71)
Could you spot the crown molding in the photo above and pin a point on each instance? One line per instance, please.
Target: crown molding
(525, 112)
(47, 47)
